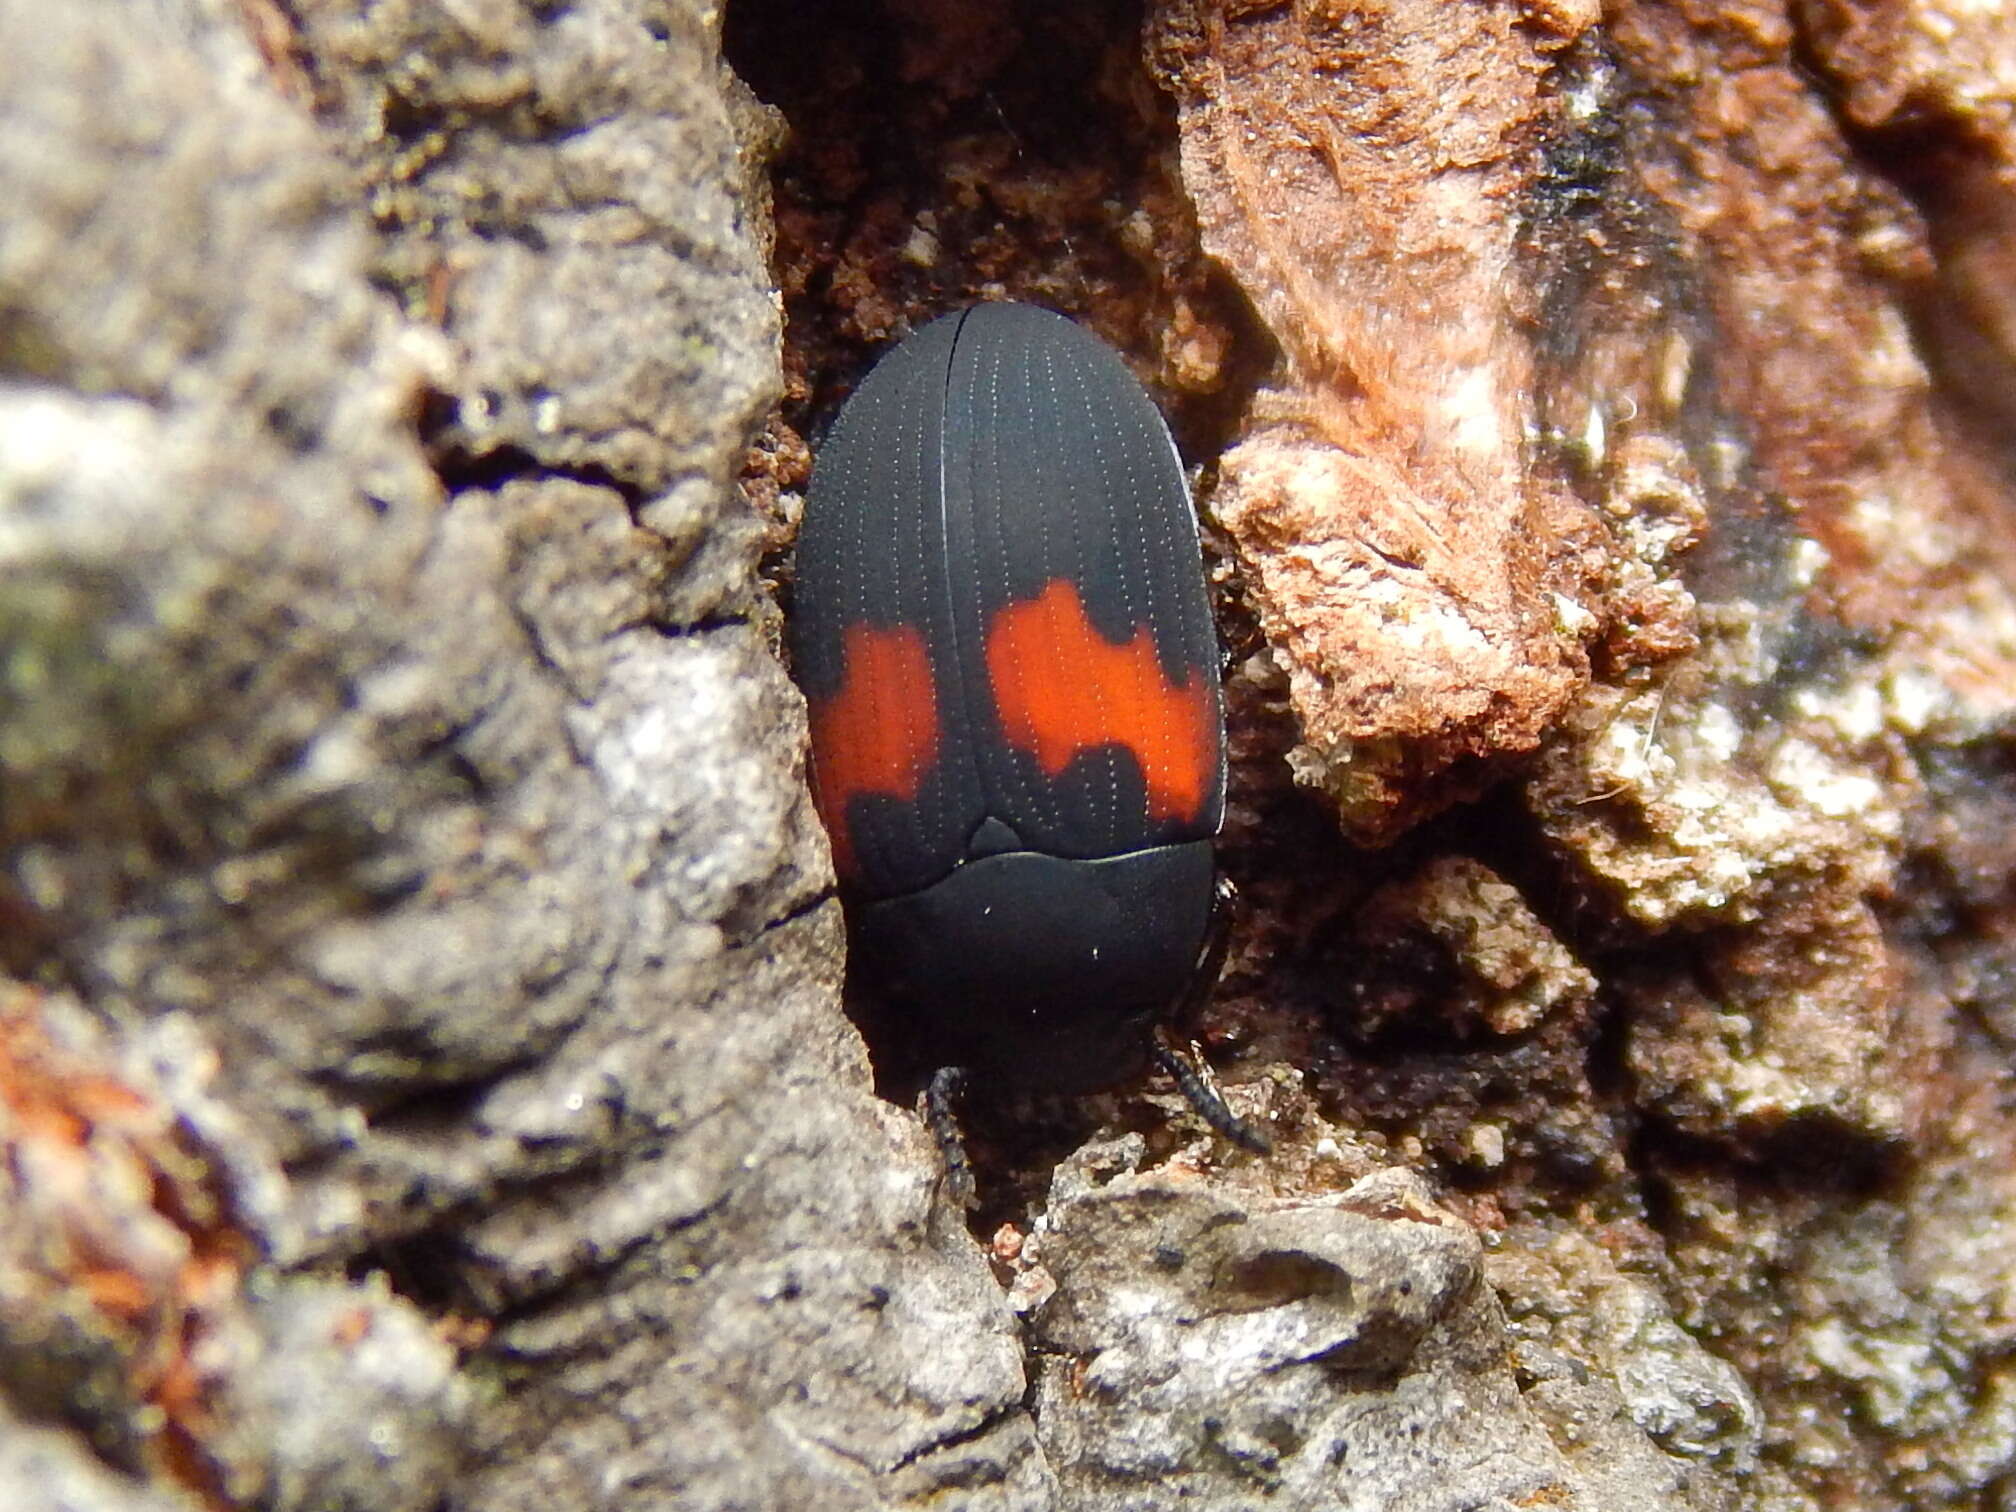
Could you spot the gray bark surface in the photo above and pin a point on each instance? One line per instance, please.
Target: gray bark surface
(458, 820)
(424, 1080)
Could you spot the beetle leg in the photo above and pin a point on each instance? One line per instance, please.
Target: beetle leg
(941, 1117)
(1189, 1071)
(1211, 957)
(1193, 1080)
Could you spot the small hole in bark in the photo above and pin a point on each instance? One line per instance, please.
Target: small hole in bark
(1278, 1278)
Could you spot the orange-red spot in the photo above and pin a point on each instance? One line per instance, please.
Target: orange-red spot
(1060, 687)
(115, 1184)
(879, 732)
(352, 1328)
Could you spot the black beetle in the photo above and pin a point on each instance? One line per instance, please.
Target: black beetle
(1003, 634)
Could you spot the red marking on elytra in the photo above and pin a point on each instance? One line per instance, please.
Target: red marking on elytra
(878, 733)
(1060, 687)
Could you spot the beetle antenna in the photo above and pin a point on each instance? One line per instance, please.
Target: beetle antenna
(1193, 1079)
(941, 1117)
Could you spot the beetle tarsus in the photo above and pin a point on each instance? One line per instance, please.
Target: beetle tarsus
(1191, 1078)
(1202, 1096)
(941, 1117)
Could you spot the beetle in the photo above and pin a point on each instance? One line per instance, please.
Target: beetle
(1003, 635)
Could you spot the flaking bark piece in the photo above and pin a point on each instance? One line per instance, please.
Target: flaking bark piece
(1360, 176)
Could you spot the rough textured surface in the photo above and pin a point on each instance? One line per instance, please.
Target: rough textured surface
(383, 708)
(136, 1210)
(1929, 92)
(1210, 1348)
(1784, 814)
(1425, 592)
(1631, 1398)
(432, 1011)
(1764, 326)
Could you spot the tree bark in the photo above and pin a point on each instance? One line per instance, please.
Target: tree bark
(425, 1075)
